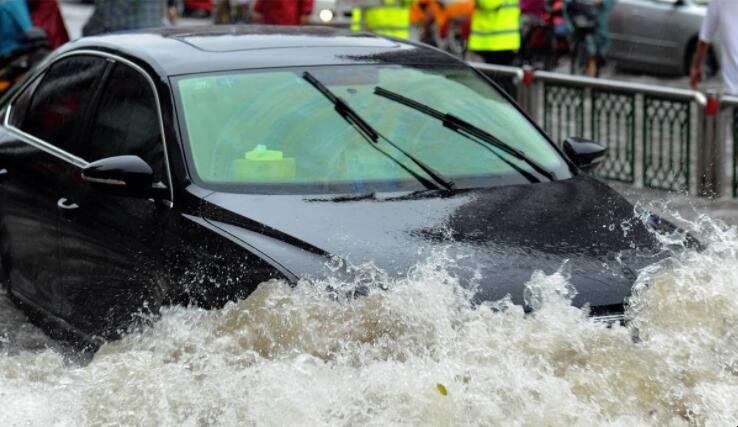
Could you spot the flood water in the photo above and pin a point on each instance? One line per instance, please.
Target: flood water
(412, 352)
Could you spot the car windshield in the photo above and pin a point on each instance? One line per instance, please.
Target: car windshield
(271, 131)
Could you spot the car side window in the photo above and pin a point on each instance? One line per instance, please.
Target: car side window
(58, 105)
(22, 102)
(127, 121)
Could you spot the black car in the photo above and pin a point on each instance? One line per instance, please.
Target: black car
(188, 166)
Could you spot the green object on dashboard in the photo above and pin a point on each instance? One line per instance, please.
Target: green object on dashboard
(262, 164)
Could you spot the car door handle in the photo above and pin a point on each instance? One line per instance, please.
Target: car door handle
(66, 205)
(3, 173)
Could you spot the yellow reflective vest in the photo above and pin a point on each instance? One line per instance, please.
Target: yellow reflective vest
(392, 18)
(495, 25)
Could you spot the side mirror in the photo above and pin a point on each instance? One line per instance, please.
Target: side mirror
(585, 154)
(122, 176)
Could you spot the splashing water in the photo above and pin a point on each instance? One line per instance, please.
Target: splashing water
(413, 351)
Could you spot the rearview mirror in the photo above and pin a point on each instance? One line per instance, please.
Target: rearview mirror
(585, 154)
(122, 176)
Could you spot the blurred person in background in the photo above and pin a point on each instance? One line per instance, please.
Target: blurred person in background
(241, 11)
(430, 17)
(598, 51)
(221, 12)
(282, 12)
(721, 18)
(495, 30)
(231, 11)
(495, 34)
(536, 8)
(172, 12)
(544, 33)
(532, 13)
(15, 20)
(22, 45)
(46, 15)
(386, 17)
(598, 42)
(120, 15)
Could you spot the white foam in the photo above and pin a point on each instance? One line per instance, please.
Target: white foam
(309, 356)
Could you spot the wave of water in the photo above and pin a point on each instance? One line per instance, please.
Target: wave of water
(415, 352)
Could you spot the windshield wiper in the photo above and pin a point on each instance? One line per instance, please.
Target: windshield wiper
(467, 129)
(372, 136)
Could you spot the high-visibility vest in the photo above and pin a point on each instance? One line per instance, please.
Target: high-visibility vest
(495, 25)
(390, 19)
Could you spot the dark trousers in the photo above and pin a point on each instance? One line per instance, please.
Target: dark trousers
(501, 57)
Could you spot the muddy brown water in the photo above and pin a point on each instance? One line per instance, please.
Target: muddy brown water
(414, 352)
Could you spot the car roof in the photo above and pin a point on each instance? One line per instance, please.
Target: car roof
(188, 50)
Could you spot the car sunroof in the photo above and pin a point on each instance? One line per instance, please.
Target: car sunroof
(235, 42)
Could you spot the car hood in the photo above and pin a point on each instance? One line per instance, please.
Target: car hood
(494, 238)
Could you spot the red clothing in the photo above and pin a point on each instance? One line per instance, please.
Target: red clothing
(283, 12)
(533, 7)
(45, 14)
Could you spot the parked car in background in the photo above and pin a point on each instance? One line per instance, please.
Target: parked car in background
(658, 35)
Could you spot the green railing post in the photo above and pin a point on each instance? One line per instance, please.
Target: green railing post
(709, 148)
(734, 128)
(613, 125)
(526, 93)
(667, 143)
(563, 111)
(647, 128)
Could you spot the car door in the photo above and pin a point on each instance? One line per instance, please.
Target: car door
(621, 44)
(111, 246)
(40, 140)
(642, 32)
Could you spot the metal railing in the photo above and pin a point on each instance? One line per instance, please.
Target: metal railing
(728, 112)
(657, 137)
